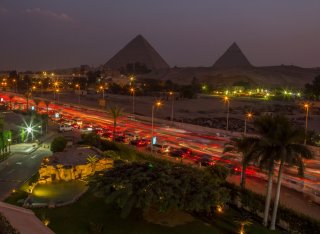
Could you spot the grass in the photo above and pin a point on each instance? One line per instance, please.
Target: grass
(91, 214)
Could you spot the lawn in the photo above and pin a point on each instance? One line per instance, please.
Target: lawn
(90, 214)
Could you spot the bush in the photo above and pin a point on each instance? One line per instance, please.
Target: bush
(298, 223)
(5, 226)
(58, 144)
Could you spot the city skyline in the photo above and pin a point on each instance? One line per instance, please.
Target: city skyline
(45, 35)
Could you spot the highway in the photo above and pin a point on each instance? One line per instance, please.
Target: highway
(199, 141)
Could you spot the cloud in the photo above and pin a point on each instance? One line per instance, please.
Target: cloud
(49, 14)
(3, 10)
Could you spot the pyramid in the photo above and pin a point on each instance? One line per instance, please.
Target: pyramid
(138, 50)
(232, 58)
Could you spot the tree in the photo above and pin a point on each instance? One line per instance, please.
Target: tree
(279, 142)
(288, 141)
(244, 146)
(166, 187)
(92, 159)
(58, 144)
(23, 135)
(115, 112)
(267, 154)
(313, 90)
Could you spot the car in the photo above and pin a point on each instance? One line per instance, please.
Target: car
(205, 160)
(183, 152)
(107, 135)
(140, 142)
(75, 126)
(177, 153)
(121, 139)
(160, 148)
(65, 128)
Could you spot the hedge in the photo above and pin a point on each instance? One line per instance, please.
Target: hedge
(5, 226)
(297, 223)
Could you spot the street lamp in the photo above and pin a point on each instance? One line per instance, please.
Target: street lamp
(306, 106)
(78, 86)
(227, 100)
(131, 80)
(41, 88)
(57, 90)
(172, 102)
(56, 86)
(247, 117)
(156, 104)
(132, 90)
(102, 89)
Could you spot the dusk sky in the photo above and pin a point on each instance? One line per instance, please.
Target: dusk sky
(45, 34)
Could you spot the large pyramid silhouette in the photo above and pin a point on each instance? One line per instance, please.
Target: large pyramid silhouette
(137, 51)
(232, 58)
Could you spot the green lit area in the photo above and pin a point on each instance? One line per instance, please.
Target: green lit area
(57, 192)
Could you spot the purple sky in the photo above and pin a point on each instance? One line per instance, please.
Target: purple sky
(44, 34)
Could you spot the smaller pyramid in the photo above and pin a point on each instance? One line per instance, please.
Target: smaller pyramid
(232, 58)
(140, 51)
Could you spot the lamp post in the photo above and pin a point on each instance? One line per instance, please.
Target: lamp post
(306, 106)
(57, 90)
(41, 88)
(29, 131)
(15, 85)
(172, 102)
(132, 90)
(78, 87)
(247, 117)
(102, 89)
(227, 100)
(156, 104)
(56, 86)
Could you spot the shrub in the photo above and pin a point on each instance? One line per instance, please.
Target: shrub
(58, 144)
(298, 223)
(5, 226)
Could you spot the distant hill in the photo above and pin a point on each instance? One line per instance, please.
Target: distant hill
(269, 77)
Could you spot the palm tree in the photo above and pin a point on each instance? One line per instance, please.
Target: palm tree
(278, 142)
(116, 112)
(92, 159)
(244, 146)
(291, 151)
(266, 154)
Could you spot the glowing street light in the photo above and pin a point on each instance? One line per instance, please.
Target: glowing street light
(247, 117)
(156, 104)
(306, 106)
(78, 87)
(227, 100)
(132, 90)
(57, 91)
(102, 89)
(172, 98)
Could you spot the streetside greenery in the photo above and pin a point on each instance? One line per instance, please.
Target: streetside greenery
(5, 226)
(176, 187)
(58, 144)
(295, 221)
(254, 203)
